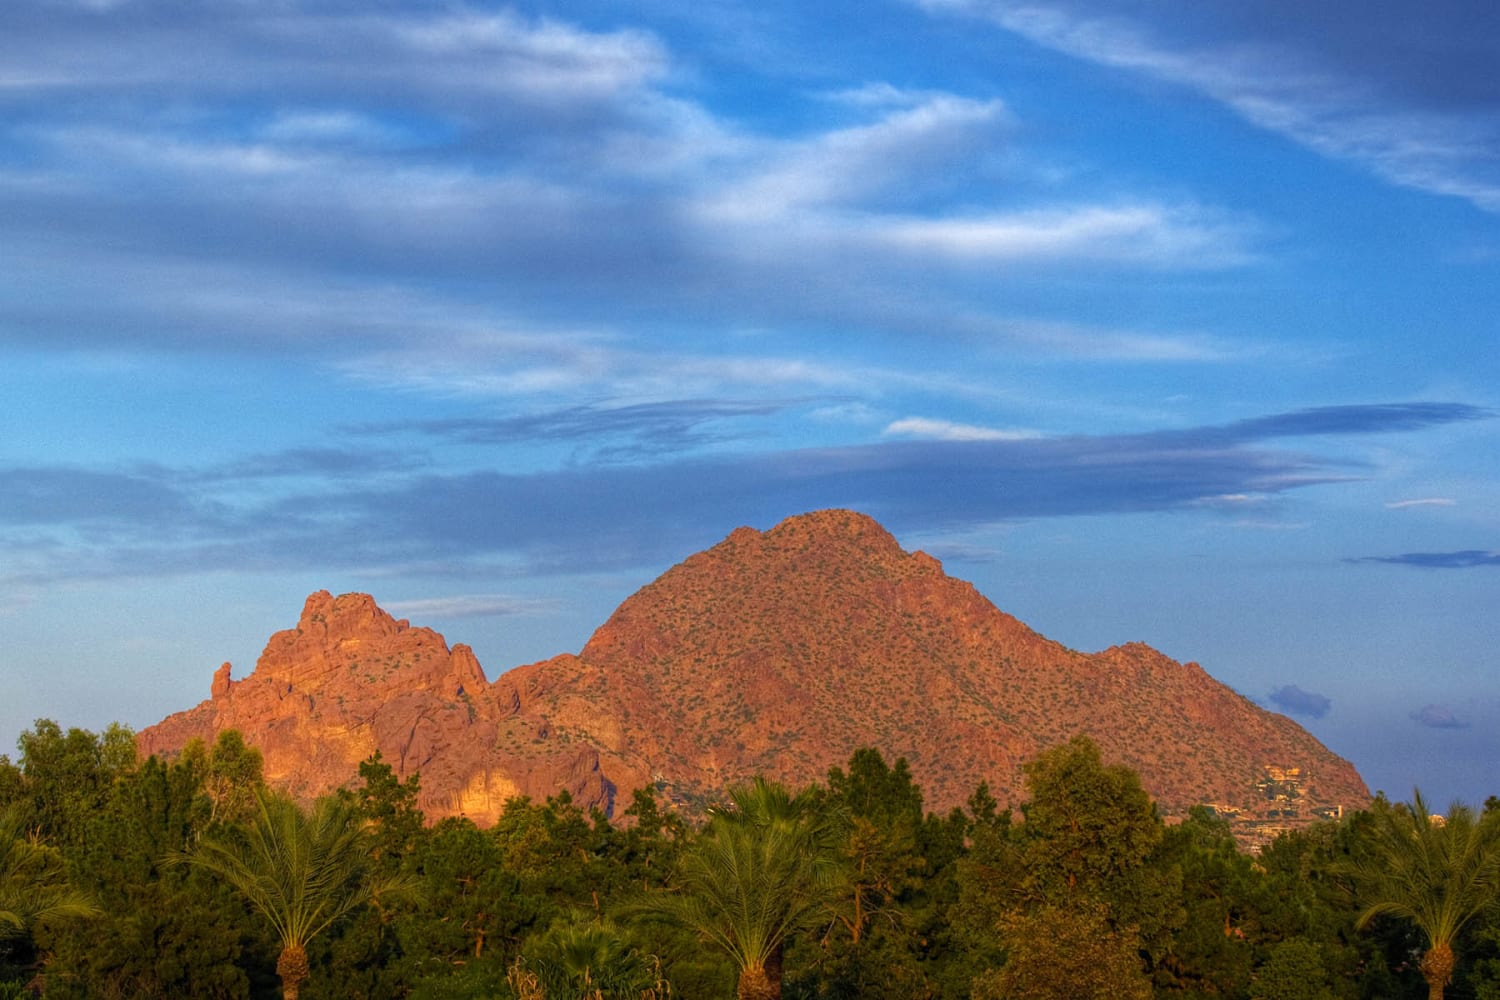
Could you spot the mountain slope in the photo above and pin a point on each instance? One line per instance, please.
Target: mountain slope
(779, 653)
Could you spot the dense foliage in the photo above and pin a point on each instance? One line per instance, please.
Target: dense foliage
(188, 878)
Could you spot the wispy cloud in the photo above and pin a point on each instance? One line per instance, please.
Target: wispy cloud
(1370, 418)
(1279, 82)
(335, 49)
(1438, 717)
(901, 156)
(320, 463)
(629, 431)
(453, 159)
(963, 552)
(1291, 698)
(946, 430)
(469, 606)
(1142, 234)
(1462, 559)
(1422, 502)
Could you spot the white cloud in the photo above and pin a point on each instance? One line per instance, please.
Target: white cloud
(946, 430)
(1423, 502)
(1143, 234)
(1234, 500)
(333, 125)
(450, 58)
(469, 606)
(503, 51)
(902, 151)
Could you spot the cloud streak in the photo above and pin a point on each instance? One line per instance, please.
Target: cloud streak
(947, 430)
(1374, 418)
(1461, 559)
(618, 432)
(468, 606)
(1422, 502)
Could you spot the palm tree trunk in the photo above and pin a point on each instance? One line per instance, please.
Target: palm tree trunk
(292, 967)
(755, 984)
(1437, 968)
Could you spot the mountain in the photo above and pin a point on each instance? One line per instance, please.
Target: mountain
(777, 653)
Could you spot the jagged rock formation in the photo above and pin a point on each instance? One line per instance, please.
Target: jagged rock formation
(776, 653)
(350, 680)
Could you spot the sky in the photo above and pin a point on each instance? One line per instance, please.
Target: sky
(1170, 323)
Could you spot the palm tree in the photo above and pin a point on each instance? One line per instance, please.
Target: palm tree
(301, 871)
(1437, 873)
(33, 885)
(761, 870)
(592, 961)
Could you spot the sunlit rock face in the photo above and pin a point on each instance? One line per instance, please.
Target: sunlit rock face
(350, 680)
(775, 653)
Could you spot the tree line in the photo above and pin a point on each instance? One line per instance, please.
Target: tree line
(126, 878)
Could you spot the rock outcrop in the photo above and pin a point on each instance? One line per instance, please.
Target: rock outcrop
(350, 680)
(777, 653)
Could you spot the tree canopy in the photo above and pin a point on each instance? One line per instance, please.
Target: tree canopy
(123, 878)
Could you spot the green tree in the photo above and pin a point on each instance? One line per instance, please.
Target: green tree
(473, 910)
(34, 887)
(1065, 953)
(562, 855)
(34, 893)
(68, 775)
(884, 929)
(1089, 826)
(762, 869)
(593, 960)
(1076, 869)
(879, 813)
(232, 773)
(12, 782)
(367, 954)
(300, 871)
(989, 875)
(390, 806)
(1304, 896)
(1438, 873)
(170, 933)
(1294, 971)
(1211, 949)
(646, 850)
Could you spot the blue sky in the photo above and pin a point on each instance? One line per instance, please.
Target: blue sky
(1169, 323)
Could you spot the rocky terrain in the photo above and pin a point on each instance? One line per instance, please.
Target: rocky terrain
(776, 652)
(350, 680)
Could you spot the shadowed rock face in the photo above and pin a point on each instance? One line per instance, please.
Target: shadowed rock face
(776, 653)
